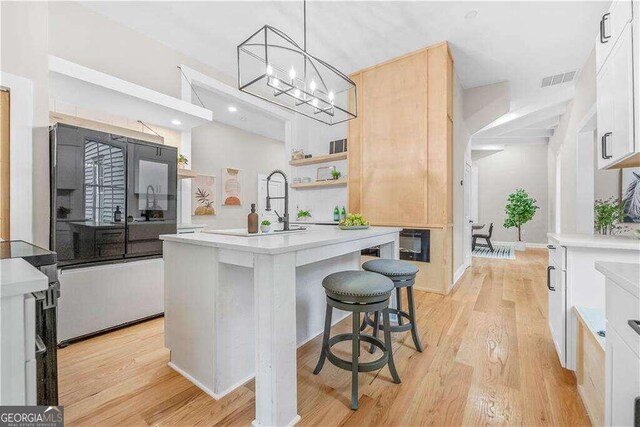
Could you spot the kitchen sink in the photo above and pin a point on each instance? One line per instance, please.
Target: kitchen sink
(242, 232)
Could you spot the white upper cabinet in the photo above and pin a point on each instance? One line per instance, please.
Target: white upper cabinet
(611, 26)
(617, 105)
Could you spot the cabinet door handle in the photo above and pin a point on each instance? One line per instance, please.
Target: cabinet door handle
(604, 145)
(550, 247)
(635, 325)
(604, 38)
(551, 288)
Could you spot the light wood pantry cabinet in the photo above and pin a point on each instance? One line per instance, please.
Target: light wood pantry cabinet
(617, 65)
(400, 146)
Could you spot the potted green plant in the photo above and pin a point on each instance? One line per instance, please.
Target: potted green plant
(265, 226)
(606, 215)
(182, 161)
(336, 174)
(303, 215)
(63, 212)
(520, 209)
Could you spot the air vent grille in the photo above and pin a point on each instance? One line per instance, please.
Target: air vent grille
(558, 78)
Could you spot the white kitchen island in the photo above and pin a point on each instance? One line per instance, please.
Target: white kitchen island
(238, 306)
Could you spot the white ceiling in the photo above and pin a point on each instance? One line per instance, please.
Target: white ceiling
(521, 42)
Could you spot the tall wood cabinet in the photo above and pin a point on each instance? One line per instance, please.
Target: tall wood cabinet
(401, 149)
(400, 146)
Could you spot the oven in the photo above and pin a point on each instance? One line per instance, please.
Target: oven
(414, 244)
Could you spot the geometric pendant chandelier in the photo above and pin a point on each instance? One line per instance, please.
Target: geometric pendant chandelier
(273, 67)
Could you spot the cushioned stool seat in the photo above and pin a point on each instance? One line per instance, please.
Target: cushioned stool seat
(357, 292)
(391, 267)
(403, 275)
(357, 286)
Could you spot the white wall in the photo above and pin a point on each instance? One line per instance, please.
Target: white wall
(215, 146)
(461, 154)
(85, 37)
(500, 173)
(564, 141)
(314, 137)
(23, 53)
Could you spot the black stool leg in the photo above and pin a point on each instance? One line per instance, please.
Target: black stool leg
(363, 326)
(412, 315)
(355, 350)
(399, 305)
(325, 339)
(388, 345)
(376, 327)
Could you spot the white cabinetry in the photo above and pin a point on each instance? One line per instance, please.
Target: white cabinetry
(622, 352)
(576, 282)
(18, 279)
(617, 105)
(557, 285)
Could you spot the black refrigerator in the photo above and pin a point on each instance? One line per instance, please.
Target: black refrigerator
(111, 196)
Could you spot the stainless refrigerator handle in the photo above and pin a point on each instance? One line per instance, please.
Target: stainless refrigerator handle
(40, 347)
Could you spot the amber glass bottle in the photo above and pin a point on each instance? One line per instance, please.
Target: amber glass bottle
(252, 220)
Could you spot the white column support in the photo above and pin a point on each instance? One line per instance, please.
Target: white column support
(275, 320)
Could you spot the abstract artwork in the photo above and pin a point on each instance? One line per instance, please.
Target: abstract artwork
(232, 187)
(631, 195)
(203, 191)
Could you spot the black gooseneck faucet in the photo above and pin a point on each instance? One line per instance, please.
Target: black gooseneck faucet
(285, 218)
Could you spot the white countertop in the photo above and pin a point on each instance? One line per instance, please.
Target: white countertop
(187, 226)
(597, 241)
(625, 274)
(18, 277)
(315, 236)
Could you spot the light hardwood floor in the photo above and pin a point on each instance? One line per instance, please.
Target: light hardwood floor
(488, 359)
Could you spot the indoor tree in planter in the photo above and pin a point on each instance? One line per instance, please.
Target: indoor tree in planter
(520, 209)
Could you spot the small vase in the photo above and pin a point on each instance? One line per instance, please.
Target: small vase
(265, 228)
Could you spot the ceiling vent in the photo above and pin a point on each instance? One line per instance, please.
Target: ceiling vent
(558, 78)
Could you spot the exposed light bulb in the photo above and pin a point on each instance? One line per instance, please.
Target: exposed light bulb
(292, 73)
(269, 69)
(331, 95)
(296, 93)
(276, 82)
(312, 86)
(315, 102)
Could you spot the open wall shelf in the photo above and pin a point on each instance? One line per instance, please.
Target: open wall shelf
(319, 159)
(320, 184)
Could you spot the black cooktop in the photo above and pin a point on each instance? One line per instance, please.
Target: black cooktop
(33, 254)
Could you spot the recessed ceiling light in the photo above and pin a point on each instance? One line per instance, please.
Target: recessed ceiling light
(232, 109)
(176, 122)
(471, 14)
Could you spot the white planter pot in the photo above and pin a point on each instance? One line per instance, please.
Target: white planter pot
(519, 246)
(265, 228)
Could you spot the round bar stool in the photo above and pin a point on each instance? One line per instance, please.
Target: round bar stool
(403, 275)
(356, 292)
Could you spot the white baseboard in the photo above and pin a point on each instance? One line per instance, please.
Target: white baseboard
(458, 274)
(528, 244)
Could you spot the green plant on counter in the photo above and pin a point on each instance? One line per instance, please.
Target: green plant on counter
(606, 214)
(304, 214)
(520, 209)
(336, 174)
(265, 222)
(182, 160)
